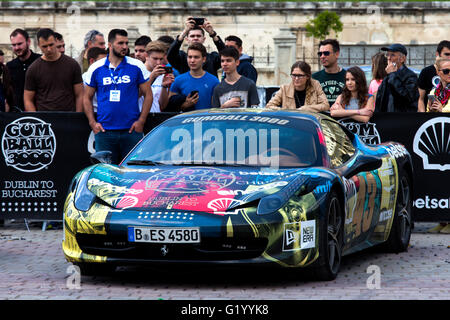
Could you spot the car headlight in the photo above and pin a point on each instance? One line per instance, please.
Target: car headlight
(274, 202)
(270, 204)
(84, 198)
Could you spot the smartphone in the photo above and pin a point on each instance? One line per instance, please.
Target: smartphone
(193, 93)
(168, 69)
(431, 98)
(199, 21)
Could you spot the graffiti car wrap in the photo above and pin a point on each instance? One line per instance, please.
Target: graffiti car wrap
(306, 199)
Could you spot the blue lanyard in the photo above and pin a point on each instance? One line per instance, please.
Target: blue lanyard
(112, 77)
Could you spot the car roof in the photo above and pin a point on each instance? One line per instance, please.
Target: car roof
(266, 112)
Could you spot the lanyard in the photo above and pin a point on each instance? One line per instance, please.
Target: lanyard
(112, 77)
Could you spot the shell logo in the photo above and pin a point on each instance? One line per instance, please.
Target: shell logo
(432, 144)
(126, 202)
(219, 206)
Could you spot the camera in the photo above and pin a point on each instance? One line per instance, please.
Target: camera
(199, 21)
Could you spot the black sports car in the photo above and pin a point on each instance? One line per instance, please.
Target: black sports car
(242, 186)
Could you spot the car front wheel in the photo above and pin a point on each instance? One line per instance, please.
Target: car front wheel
(331, 241)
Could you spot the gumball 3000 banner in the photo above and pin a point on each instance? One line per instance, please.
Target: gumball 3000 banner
(41, 153)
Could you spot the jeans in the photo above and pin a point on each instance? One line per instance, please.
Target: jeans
(119, 142)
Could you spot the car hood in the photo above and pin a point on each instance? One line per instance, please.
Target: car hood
(203, 189)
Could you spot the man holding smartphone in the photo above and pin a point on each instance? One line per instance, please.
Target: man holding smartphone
(398, 92)
(161, 77)
(197, 85)
(194, 32)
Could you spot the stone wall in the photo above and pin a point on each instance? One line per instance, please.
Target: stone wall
(257, 23)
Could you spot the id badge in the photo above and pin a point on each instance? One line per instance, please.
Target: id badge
(114, 95)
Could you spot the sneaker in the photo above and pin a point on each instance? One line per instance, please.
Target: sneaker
(446, 229)
(436, 229)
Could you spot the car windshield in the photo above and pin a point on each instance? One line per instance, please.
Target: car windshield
(230, 140)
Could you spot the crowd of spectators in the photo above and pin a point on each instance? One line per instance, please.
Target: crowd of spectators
(181, 81)
(116, 88)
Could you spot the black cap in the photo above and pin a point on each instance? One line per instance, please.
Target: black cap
(396, 47)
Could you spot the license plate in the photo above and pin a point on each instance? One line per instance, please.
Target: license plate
(163, 235)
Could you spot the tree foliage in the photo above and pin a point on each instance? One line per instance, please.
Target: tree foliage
(321, 26)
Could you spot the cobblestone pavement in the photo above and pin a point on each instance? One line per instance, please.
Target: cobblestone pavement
(32, 266)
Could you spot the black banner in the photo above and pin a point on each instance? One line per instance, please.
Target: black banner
(43, 151)
(427, 138)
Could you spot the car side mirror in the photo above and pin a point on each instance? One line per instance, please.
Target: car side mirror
(101, 157)
(362, 163)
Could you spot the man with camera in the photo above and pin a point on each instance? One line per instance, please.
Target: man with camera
(161, 76)
(194, 32)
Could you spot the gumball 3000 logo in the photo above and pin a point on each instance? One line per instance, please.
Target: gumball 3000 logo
(28, 144)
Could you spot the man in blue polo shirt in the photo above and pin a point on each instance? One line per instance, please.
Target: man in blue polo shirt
(117, 79)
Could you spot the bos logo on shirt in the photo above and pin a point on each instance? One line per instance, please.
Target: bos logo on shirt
(118, 80)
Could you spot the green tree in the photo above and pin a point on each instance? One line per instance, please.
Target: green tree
(321, 26)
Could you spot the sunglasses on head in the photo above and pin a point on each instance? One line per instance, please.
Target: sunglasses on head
(325, 53)
(445, 71)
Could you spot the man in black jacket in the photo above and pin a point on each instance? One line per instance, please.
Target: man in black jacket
(245, 67)
(194, 32)
(20, 42)
(399, 91)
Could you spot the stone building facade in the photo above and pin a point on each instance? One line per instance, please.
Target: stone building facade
(272, 32)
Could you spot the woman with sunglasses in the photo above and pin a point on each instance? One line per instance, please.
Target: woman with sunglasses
(303, 93)
(354, 102)
(441, 101)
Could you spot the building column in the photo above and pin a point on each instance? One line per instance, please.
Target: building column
(285, 54)
(133, 34)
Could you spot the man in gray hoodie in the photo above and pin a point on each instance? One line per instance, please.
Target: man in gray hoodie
(245, 67)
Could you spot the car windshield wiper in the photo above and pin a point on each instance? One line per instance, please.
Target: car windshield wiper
(144, 163)
(200, 163)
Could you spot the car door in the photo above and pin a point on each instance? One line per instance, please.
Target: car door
(363, 190)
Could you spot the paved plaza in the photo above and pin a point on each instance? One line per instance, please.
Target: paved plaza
(32, 266)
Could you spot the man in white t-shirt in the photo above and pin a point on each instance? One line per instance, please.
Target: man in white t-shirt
(94, 54)
(161, 77)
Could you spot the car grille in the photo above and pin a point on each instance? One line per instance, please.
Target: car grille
(210, 249)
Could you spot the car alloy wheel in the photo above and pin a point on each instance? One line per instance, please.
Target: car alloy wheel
(404, 210)
(334, 235)
(400, 233)
(331, 241)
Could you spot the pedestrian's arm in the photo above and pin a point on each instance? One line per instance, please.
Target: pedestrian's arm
(78, 90)
(146, 90)
(421, 102)
(321, 105)
(276, 101)
(164, 97)
(28, 100)
(175, 57)
(88, 94)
